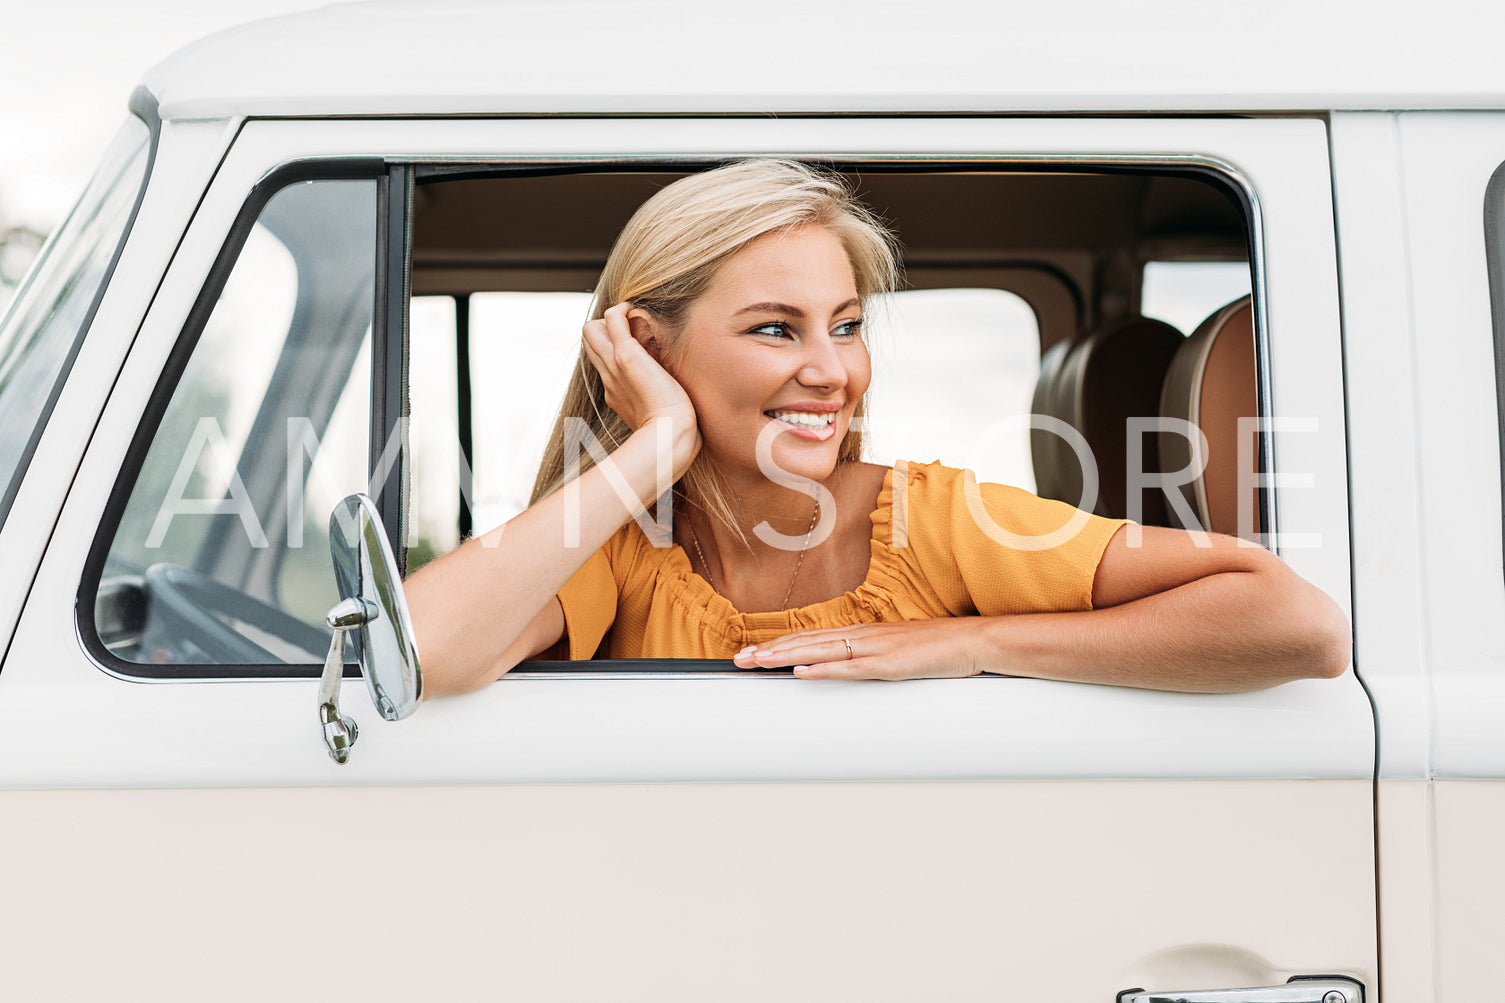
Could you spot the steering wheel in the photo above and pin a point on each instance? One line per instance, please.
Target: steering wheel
(184, 610)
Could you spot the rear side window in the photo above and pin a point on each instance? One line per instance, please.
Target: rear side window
(1185, 293)
(1494, 245)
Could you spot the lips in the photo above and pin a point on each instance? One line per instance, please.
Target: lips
(812, 421)
(803, 419)
(810, 413)
(814, 407)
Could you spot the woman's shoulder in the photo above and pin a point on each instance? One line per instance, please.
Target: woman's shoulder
(937, 500)
(860, 479)
(938, 480)
(913, 500)
(930, 483)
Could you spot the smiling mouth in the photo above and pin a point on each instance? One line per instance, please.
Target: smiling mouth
(804, 419)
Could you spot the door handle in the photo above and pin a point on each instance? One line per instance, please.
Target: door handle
(1301, 989)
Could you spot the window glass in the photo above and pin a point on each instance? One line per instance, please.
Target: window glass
(1185, 293)
(225, 537)
(48, 317)
(1494, 249)
(953, 370)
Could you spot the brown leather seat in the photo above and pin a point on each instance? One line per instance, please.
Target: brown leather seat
(1047, 451)
(1113, 375)
(1212, 383)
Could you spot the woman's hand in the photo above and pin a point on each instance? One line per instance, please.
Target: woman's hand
(637, 387)
(1168, 614)
(918, 649)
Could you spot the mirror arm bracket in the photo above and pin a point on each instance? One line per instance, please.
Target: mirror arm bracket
(340, 731)
(375, 615)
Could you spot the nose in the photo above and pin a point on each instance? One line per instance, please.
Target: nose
(822, 365)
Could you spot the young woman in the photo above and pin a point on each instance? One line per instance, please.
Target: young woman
(726, 357)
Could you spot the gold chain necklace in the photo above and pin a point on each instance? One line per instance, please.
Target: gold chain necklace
(790, 591)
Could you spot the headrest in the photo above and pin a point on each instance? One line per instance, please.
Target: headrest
(1109, 377)
(1212, 383)
(1045, 449)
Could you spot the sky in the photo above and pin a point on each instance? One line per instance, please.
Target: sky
(67, 68)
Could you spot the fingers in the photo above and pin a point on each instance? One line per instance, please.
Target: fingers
(597, 344)
(825, 659)
(617, 328)
(808, 648)
(908, 650)
(604, 338)
(598, 349)
(857, 668)
(887, 666)
(621, 361)
(805, 651)
(827, 643)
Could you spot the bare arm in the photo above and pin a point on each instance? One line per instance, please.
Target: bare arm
(1168, 615)
(489, 604)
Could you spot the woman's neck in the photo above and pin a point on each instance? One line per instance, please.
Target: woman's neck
(761, 571)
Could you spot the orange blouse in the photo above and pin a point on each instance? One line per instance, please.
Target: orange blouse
(930, 558)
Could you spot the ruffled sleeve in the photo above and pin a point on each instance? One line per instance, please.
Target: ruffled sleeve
(993, 549)
(589, 600)
(594, 595)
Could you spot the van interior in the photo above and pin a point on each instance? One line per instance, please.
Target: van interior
(1074, 256)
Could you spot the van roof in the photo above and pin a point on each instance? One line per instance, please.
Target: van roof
(791, 56)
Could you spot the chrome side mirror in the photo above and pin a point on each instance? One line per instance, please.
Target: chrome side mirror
(374, 613)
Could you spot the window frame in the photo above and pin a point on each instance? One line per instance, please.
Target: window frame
(1206, 169)
(396, 179)
(338, 169)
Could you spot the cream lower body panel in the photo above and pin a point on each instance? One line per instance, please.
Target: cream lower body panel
(1035, 891)
(1442, 888)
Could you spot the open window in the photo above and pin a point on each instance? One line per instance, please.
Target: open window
(289, 383)
(1008, 275)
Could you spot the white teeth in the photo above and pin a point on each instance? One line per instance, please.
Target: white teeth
(805, 419)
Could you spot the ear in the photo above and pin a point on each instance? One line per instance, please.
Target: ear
(648, 331)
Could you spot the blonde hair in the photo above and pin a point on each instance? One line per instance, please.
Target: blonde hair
(667, 256)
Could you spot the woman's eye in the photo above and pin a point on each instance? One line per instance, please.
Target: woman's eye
(851, 329)
(777, 329)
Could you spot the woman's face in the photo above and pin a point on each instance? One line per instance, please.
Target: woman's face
(774, 347)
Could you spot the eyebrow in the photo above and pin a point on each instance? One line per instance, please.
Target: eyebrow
(793, 311)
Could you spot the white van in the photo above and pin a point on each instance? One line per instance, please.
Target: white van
(329, 253)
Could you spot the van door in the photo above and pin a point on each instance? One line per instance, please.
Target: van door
(616, 833)
(1420, 208)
